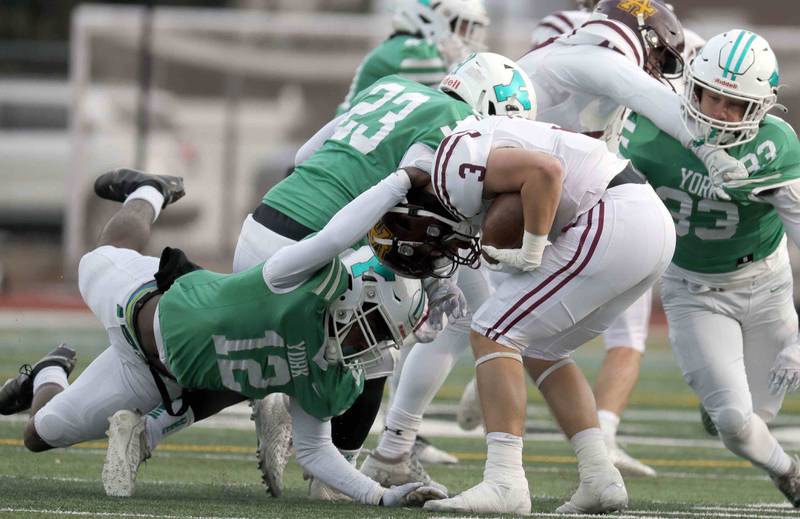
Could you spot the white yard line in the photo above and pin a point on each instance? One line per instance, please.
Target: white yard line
(61, 511)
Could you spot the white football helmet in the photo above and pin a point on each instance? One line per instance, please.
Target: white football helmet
(740, 65)
(492, 85)
(384, 306)
(458, 27)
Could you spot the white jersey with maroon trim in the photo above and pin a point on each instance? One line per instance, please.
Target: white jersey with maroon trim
(460, 165)
(586, 79)
(556, 24)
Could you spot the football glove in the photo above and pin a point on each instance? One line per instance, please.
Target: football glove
(722, 168)
(411, 494)
(785, 372)
(526, 258)
(444, 298)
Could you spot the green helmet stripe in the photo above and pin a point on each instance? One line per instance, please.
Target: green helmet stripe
(733, 51)
(744, 53)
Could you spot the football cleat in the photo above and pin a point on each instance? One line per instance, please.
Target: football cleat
(628, 465)
(487, 497)
(274, 433)
(16, 395)
(789, 484)
(116, 185)
(708, 424)
(389, 473)
(427, 453)
(469, 414)
(322, 492)
(598, 493)
(127, 449)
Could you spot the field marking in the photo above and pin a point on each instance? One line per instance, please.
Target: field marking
(111, 514)
(466, 456)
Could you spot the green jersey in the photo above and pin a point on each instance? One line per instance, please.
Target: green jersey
(230, 331)
(716, 236)
(367, 145)
(404, 54)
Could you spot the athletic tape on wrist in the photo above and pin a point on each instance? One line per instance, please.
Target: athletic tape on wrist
(558, 365)
(498, 355)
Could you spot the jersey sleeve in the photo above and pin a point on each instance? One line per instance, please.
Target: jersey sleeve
(773, 161)
(638, 142)
(459, 168)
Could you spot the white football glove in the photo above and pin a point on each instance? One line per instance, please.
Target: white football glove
(411, 494)
(722, 168)
(444, 298)
(526, 258)
(425, 333)
(785, 372)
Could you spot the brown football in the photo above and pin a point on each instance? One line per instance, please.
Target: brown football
(503, 224)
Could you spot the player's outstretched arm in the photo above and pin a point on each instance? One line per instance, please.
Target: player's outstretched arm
(295, 263)
(317, 455)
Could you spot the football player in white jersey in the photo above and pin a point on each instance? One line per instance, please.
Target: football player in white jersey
(610, 242)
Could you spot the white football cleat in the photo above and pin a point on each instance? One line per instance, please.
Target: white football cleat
(789, 484)
(391, 473)
(629, 465)
(274, 433)
(469, 414)
(322, 492)
(427, 453)
(127, 449)
(600, 492)
(487, 498)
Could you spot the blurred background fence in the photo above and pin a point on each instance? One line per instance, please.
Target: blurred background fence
(222, 93)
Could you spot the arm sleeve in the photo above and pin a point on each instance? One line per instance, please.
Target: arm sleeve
(606, 73)
(294, 264)
(318, 456)
(316, 141)
(786, 201)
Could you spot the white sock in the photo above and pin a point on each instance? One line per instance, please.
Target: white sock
(351, 455)
(150, 195)
(50, 375)
(590, 449)
(399, 435)
(756, 444)
(159, 423)
(609, 422)
(503, 459)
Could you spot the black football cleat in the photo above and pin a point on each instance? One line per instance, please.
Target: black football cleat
(116, 185)
(16, 394)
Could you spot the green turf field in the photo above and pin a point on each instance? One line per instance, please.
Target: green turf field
(212, 473)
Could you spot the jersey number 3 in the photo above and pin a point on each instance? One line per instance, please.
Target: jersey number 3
(353, 131)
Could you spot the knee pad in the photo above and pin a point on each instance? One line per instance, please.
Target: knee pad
(731, 421)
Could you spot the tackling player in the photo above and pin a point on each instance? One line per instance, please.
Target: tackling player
(306, 323)
(728, 292)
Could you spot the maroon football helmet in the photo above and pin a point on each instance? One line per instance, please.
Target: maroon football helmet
(658, 30)
(420, 239)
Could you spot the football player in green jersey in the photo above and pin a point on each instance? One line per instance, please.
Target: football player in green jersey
(310, 322)
(429, 36)
(728, 291)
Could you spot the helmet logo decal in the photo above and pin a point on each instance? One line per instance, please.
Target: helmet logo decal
(516, 88)
(747, 46)
(374, 265)
(774, 78)
(637, 7)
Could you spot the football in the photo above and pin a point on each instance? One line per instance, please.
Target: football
(503, 224)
